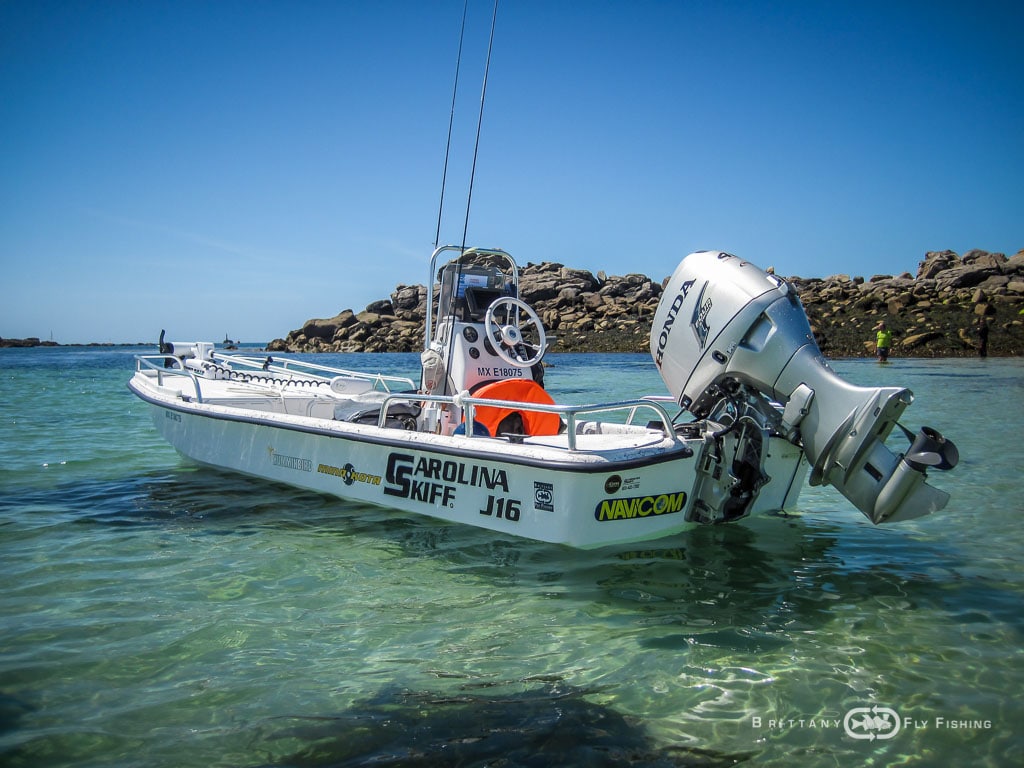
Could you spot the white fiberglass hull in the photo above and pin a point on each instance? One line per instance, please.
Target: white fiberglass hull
(731, 342)
(633, 489)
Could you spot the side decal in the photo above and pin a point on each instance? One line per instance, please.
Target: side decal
(639, 506)
(543, 496)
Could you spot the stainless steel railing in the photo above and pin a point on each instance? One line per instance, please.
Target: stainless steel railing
(571, 413)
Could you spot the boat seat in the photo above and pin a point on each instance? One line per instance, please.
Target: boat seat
(518, 390)
(365, 409)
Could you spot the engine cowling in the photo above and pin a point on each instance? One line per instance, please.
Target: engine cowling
(723, 322)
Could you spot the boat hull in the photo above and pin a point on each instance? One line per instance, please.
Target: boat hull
(584, 499)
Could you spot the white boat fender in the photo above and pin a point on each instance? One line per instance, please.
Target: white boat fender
(433, 371)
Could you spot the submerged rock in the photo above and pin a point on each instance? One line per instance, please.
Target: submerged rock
(551, 725)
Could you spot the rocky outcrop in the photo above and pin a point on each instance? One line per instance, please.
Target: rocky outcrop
(31, 341)
(935, 313)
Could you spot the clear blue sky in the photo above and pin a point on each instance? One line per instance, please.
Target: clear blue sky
(240, 167)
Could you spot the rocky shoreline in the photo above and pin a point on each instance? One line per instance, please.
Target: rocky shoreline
(934, 313)
(34, 341)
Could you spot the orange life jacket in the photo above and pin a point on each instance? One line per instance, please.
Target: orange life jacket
(522, 391)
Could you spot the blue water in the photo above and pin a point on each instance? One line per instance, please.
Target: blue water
(157, 614)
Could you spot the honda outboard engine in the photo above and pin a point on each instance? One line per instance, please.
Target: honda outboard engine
(726, 331)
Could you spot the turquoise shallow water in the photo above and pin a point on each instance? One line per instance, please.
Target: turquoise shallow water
(156, 614)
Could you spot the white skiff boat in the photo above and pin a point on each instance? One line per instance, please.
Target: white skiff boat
(753, 409)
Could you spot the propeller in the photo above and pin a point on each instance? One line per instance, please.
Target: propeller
(930, 449)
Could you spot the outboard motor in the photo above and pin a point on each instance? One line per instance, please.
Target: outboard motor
(724, 326)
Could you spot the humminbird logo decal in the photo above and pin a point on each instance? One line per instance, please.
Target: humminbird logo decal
(291, 462)
(699, 322)
(639, 506)
(670, 319)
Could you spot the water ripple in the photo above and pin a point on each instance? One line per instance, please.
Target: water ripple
(146, 623)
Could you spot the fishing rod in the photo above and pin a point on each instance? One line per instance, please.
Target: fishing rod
(479, 123)
(451, 121)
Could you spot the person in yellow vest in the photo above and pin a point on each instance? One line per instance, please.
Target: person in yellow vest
(883, 341)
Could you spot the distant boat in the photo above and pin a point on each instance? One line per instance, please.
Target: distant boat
(228, 343)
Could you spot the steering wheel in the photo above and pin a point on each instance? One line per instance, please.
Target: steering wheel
(507, 339)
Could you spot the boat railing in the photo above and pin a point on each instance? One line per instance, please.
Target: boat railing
(306, 370)
(572, 414)
(644, 401)
(464, 253)
(159, 364)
